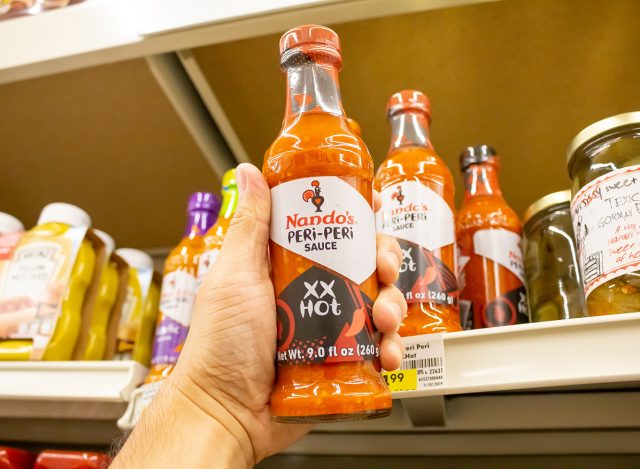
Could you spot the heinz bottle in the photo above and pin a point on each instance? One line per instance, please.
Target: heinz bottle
(323, 246)
(177, 296)
(417, 190)
(489, 236)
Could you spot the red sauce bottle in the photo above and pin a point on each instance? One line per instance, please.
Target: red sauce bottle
(417, 191)
(490, 240)
(322, 245)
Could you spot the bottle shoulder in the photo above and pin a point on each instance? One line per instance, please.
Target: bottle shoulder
(417, 163)
(486, 212)
(316, 144)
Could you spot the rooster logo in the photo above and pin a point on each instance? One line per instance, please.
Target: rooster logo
(398, 195)
(313, 195)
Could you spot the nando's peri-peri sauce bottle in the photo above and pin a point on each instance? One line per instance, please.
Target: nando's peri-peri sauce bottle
(323, 245)
(417, 189)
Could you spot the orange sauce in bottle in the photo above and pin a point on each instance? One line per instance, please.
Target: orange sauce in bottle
(417, 192)
(322, 245)
(489, 236)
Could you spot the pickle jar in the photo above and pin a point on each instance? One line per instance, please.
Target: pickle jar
(551, 262)
(604, 166)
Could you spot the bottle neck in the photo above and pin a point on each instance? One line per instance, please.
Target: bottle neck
(199, 222)
(409, 129)
(229, 202)
(481, 179)
(313, 87)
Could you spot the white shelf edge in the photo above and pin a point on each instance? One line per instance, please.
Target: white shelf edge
(103, 31)
(554, 354)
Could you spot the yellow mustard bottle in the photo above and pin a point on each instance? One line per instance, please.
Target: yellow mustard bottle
(106, 298)
(138, 289)
(60, 227)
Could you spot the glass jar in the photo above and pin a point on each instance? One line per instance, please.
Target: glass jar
(604, 167)
(551, 260)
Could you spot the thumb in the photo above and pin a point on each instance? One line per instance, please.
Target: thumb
(246, 241)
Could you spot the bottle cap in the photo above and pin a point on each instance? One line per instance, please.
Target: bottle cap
(409, 99)
(355, 126)
(108, 241)
(135, 258)
(477, 154)
(64, 213)
(229, 179)
(309, 34)
(9, 224)
(550, 200)
(203, 201)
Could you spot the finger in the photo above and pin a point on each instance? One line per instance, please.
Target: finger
(377, 201)
(389, 309)
(389, 257)
(391, 352)
(246, 240)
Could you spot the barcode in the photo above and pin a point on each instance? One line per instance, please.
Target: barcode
(422, 363)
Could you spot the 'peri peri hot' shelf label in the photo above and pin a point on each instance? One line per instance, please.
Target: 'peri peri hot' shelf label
(422, 222)
(606, 222)
(323, 314)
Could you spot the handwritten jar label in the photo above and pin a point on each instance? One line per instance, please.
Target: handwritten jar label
(606, 221)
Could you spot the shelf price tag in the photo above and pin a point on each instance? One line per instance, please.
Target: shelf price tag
(401, 380)
(423, 366)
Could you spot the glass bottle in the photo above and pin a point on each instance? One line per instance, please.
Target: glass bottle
(322, 246)
(490, 241)
(416, 188)
(177, 296)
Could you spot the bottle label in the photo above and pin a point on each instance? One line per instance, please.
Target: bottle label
(206, 261)
(178, 296)
(327, 221)
(323, 315)
(324, 318)
(606, 222)
(177, 300)
(423, 223)
(501, 246)
(34, 284)
(506, 310)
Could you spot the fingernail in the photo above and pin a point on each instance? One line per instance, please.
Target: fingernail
(241, 179)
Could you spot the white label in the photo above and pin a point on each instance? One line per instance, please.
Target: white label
(206, 261)
(501, 246)
(412, 211)
(327, 221)
(177, 296)
(32, 269)
(606, 222)
(425, 353)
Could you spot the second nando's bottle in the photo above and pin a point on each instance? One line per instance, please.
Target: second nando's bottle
(417, 192)
(323, 245)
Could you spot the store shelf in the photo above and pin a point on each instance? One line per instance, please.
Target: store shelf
(600, 350)
(66, 389)
(102, 31)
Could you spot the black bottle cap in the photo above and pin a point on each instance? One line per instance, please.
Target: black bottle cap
(476, 154)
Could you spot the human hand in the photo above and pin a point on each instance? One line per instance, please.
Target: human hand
(227, 366)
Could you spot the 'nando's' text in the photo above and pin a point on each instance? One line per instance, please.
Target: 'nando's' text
(403, 218)
(320, 232)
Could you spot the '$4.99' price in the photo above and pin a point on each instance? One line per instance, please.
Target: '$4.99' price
(401, 380)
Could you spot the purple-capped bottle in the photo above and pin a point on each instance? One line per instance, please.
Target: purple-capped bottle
(178, 293)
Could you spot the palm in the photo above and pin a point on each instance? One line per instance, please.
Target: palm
(232, 345)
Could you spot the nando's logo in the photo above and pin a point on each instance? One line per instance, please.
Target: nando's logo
(398, 195)
(313, 195)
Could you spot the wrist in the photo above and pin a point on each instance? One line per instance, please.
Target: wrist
(196, 437)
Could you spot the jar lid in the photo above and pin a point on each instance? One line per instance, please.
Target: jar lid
(137, 259)
(9, 224)
(601, 127)
(549, 200)
(476, 154)
(309, 34)
(61, 212)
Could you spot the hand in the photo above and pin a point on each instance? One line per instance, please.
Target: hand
(227, 366)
